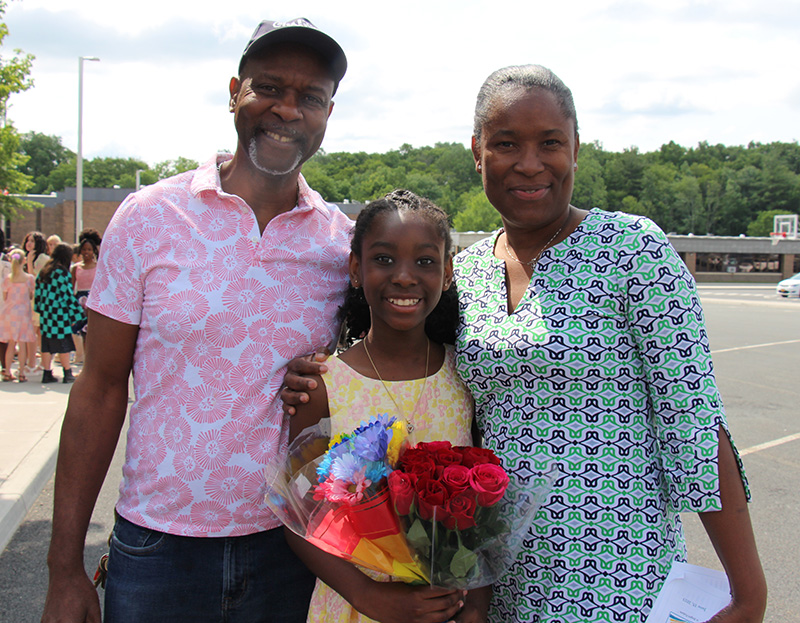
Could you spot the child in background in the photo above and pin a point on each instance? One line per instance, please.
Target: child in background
(5, 271)
(82, 279)
(52, 242)
(403, 302)
(58, 309)
(36, 256)
(16, 322)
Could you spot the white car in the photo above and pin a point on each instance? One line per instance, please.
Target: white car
(790, 286)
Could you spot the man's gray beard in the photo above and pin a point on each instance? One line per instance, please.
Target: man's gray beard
(253, 153)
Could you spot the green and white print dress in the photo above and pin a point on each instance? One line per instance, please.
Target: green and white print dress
(603, 369)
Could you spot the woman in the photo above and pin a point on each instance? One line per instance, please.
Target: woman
(582, 340)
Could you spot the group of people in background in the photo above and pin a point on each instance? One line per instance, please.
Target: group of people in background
(44, 284)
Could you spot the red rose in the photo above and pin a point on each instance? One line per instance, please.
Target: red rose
(415, 461)
(447, 456)
(461, 509)
(401, 487)
(431, 493)
(433, 446)
(478, 456)
(490, 482)
(455, 478)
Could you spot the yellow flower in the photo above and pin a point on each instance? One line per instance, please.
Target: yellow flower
(336, 439)
(395, 444)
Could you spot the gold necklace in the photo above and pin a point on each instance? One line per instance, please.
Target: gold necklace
(532, 263)
(409, 420)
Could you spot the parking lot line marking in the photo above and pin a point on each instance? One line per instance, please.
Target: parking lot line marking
(769, 444)
(727, 350)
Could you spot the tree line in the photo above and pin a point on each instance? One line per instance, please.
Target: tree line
(714, 189)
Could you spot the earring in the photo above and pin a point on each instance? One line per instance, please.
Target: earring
(575, 166)
(355, 283)
(480, 168)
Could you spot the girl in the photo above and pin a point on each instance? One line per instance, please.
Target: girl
(401, 300)
(59, 309)
(82, 278)
(35, 247)
(16, 323)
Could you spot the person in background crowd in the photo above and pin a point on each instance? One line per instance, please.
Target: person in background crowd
(52, 241)
(206, 285)
(82, 278)
(16, 322)
(5, 271)
(35, 247)
(59, 310)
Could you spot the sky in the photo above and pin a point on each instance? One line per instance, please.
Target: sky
(642, 72)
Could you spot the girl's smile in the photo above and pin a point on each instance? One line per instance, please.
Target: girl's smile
(403, 268)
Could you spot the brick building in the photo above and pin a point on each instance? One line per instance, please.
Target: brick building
(57, 213)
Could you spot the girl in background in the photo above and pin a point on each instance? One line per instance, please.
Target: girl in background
(16, 323)
(59, 309)
(5, 271)
(36, 256)
(82, 278)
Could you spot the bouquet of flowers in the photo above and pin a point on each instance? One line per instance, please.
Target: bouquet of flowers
(431, 513)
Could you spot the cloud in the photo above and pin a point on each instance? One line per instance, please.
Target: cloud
(70, 35)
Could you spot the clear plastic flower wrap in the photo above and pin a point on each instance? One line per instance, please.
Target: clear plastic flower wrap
(423, 513)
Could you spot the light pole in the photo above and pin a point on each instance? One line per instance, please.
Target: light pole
(79, 167)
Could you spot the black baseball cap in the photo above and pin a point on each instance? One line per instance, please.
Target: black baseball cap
(299, 30)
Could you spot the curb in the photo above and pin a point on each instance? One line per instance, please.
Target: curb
(20, 490)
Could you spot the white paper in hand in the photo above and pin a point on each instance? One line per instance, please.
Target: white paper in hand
(690, 594)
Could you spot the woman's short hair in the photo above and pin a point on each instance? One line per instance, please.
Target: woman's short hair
(523, 77)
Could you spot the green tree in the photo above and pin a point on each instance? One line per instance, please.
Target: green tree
(590, 187)
(168, 168)
(623, 173)
(14, 78)
(477, 214)
(45, 153)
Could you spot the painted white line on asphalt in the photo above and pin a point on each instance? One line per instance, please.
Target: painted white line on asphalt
(727, 350)
(737, 301)
(769, 444)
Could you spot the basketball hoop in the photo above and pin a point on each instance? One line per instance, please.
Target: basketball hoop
(777, 236)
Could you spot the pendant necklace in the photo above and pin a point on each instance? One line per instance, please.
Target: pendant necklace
(409, 420)
(532, 263)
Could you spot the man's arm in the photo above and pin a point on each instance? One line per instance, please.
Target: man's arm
(92, 424)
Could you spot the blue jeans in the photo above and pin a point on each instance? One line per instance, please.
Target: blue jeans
(155, 577)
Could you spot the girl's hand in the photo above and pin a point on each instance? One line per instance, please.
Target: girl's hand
(296, 382)
(476, 606)
(397, 602)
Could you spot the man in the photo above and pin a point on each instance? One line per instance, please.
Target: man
(207, 284)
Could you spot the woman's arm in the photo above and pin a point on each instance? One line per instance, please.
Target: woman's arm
(311, 412)
(300, 379)
(731, 533)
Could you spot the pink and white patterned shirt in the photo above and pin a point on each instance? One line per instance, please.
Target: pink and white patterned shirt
(221, 309)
